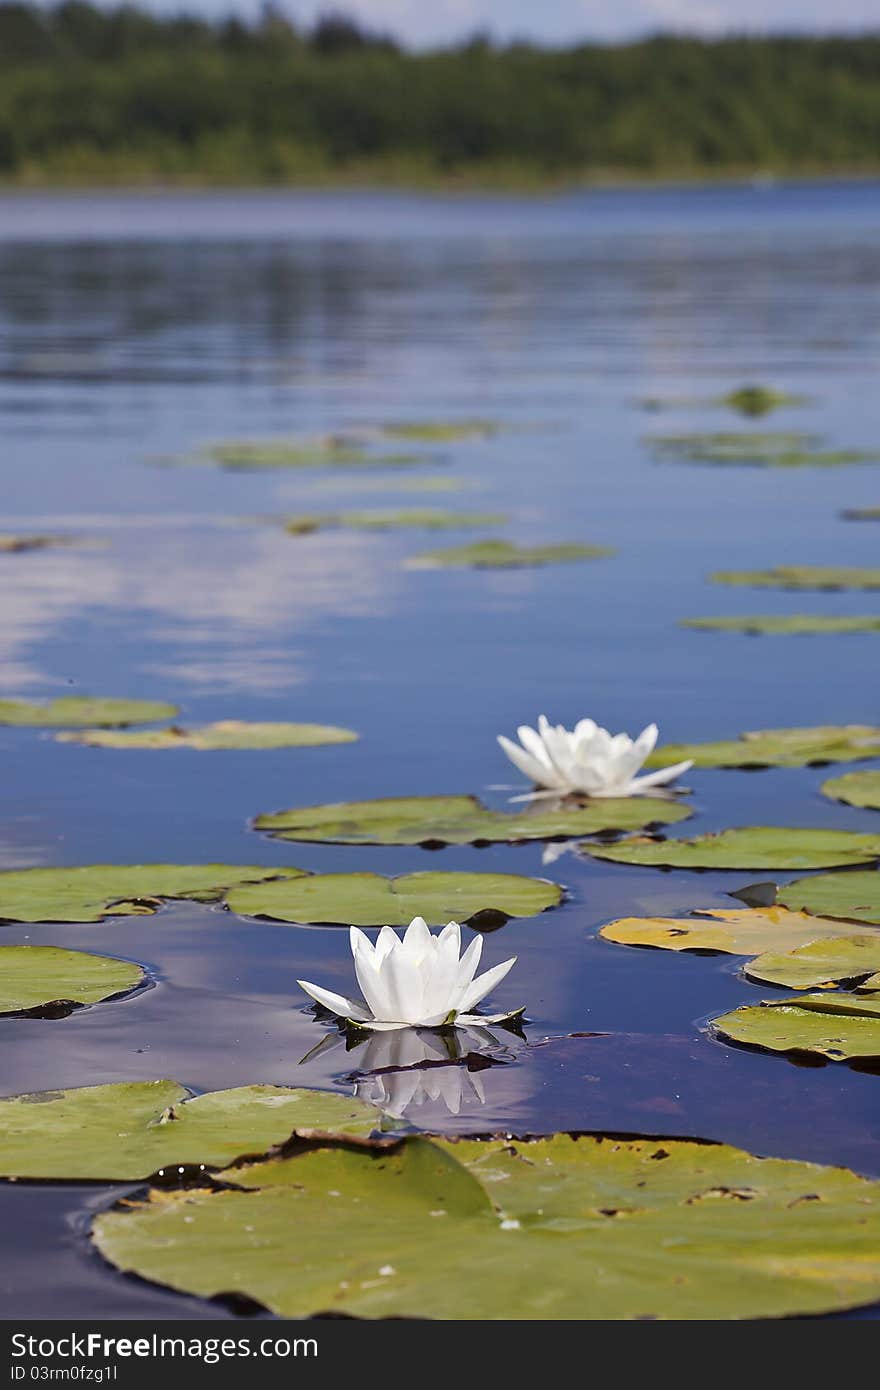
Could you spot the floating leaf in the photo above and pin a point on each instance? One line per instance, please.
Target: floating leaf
(553, 1229)
(743, 931)
(403, 483)
(331, 452)
(856, 789)
(12, 544)
(228, 733)
(801, 623)
(73, 711)
(93, 891)
(747, 847)
(829, 577)
(758, 400)
(861, 514)
(35, 977)
(829, 743)
(412, 518)
(441, 431)
(778, 449)
(823, 962)
(505, 555)
(842, 1027)
(854, 895)
(369, 900)
(458, 820)
(132, 1129)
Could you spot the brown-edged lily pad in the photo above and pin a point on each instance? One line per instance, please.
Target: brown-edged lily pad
(744, 931)
(552, 1229)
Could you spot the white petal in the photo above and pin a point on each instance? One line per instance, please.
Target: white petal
(402, 979)
(359, 941)
(660, 777)
(528, 766)
(386, 942)
(417, 940)
(484, 983)
(370, 977)
(336, 1003)
(467, 966)
(440, 982)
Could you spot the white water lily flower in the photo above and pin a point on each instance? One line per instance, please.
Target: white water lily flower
(417, 982)
(587, 759)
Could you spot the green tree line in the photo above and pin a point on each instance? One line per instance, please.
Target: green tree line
(89, 94)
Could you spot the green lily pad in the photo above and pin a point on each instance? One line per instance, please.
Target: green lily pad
(94, 891)
(842, 1027)
(11, 544)
(861, 514)
(747, 847)
(412, 518)
(441, 431)
(855, 896)
(743, 931)
(505, 555)
(554, 1229)
(458, 820)
(246, 455)
(830, 743)
(759, 400)
(228, 733)
(73, 711)
(131, 1130)
(369, 900)
(856, 789)
(798, 625)
(35, 977)
(822, 962)
(777, 449)
(831, 577)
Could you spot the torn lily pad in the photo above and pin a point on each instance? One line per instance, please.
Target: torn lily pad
(74, 711)
(387, 519)
(556, 1228)
(829, 743)
(842, 959)
(774, 624)
(505, 555)
(228, 734)
(369, 900)
(131, 1130)
(744, 931)
(855, 789)
(817, 577)
(852, 895)
(91, 892)
(747, 847)
(56, 980)
(839, 1026)
(459, 820)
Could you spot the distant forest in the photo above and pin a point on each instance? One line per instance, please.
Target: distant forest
(92, 95)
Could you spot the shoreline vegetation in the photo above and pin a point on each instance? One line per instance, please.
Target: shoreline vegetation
(124, 98)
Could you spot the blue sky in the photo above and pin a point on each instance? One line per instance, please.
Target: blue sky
(420, 22)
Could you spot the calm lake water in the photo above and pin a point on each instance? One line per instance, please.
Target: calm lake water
(135, 327)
